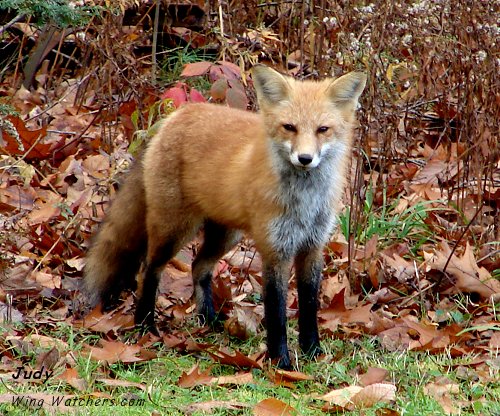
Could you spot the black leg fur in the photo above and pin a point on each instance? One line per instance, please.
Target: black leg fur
(275, 294)
(124, 278)
(145, 309)
(217, 241)
(308, 267)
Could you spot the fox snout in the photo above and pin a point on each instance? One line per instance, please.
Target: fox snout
(305, 160)
(307, 155)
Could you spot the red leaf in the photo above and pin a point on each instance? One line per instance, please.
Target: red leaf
(196, 69)
(231, 70)
(177, 95)
(196, 97)
(28, 138)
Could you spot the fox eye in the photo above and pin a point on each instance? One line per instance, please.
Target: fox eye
(290, 127)
(323, 129)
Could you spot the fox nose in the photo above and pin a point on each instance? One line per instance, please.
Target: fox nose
(305, 159)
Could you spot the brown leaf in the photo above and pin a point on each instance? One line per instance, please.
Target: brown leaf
(194, 377)
(48, 359)
(29, 138)
(236, 98)
(17, 197)
(494, 343)
(352, 397)
(71, 376)
(372, 376)
(469, 277)
(114, 351)
(373, 394)
(287, 378)
(237, 360)
(218, 89)
(337, 314)
(110, 321)
(243, 324)
(341, 397)
(442, 391)
(236, 379)
(403, 270)
(273, 407)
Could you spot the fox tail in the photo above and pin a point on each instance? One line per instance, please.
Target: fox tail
(117, 250)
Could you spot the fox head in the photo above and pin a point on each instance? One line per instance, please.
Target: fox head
(307, 120)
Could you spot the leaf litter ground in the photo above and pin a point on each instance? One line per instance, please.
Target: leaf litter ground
(410, 300)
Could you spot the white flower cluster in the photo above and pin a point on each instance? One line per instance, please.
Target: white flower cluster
(493, 29)
(331, 22)
(480, 56)
(370, 9)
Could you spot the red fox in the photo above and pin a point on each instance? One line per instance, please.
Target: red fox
(277, 176)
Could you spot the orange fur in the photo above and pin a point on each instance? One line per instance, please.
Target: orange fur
(277, 176)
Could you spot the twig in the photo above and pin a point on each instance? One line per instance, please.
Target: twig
(50, 107)
(155, 42)
(221, 25)
(12, 22)
(72, 221)
(302, 18)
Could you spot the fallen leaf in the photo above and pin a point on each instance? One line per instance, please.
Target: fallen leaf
(243, 324)
(196, 69)
(372, 376)
(237, 359)
(373, 394)
(442, 391)
(288, 378)
(469, 277)
(341, 397)
(195, 377)
(273, 407)
(357, 397)
(71, 376)
(236, 379)
(114, 351)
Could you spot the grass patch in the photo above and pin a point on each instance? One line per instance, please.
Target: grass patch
(413, 374)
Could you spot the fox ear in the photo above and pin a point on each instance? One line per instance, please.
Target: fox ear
(347, 89)
(271, 86)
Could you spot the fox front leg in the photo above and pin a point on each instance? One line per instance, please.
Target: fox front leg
(275, 294)
(308, 267)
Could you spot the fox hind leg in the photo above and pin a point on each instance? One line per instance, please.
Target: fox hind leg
(217, 241)
(163, 244)
(144, 312)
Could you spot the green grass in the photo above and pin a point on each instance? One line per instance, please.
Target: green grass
(410, 372)
(391, 225)
(174, 62)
